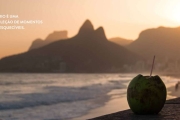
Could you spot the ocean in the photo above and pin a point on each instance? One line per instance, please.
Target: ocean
(61, 96)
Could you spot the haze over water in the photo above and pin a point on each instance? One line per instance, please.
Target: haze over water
(63, 96)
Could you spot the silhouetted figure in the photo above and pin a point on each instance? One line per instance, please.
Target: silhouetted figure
(177, 85)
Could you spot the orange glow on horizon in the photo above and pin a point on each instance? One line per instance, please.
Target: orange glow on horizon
(120, 18)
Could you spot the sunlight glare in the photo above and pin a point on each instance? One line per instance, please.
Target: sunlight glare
(173, 11)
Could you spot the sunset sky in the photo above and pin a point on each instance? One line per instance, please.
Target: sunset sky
(120, 18)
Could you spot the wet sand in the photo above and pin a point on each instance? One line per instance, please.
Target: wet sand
(116, 103)
(174, 93)
(119, 103)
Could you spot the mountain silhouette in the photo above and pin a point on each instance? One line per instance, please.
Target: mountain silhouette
(121, 41)
(86, 28)
(162, 41)
(55, 36)
(87, 52)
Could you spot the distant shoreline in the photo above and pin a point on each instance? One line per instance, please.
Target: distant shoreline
(143, 73)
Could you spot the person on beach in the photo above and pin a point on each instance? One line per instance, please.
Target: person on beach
(177, 85)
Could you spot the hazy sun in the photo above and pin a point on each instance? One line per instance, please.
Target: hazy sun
(175, 14)
(173, 10)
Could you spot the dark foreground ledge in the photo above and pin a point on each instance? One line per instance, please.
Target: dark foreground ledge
(170, 111)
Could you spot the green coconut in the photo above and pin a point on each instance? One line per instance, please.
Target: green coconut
(146, 95)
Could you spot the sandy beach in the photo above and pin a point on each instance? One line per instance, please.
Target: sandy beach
(118, 103)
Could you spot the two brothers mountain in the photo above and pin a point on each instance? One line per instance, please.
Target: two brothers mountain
(91, 52)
